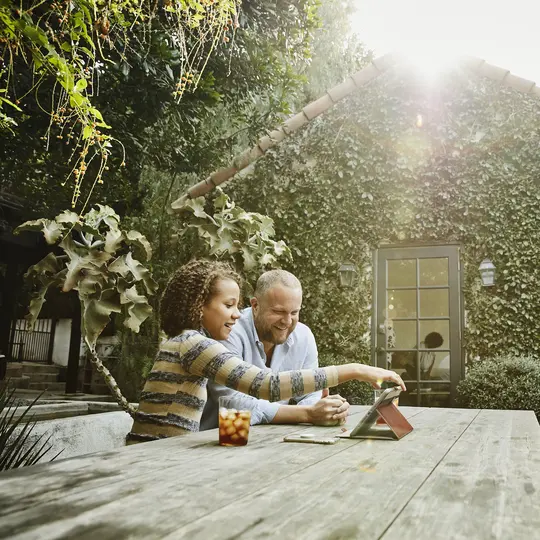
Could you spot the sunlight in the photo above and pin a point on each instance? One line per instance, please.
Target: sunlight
(431, 33)
(429, 61)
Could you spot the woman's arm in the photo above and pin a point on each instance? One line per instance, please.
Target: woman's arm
(204, 357)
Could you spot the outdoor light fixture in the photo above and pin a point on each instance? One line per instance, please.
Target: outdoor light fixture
(347, 273)
(487, 273)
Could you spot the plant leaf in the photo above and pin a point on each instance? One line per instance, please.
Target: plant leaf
(139, 241)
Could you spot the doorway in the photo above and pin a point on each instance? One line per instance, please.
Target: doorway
(418, 321)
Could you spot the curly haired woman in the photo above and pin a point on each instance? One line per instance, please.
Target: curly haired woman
(198, 307)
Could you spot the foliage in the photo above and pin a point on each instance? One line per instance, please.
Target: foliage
(68, 43)
(405, 163)
(503, 382)
(234, 235)
(98, 263)
(355, 392)
(16, 448)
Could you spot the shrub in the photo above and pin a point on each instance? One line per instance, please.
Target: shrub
(504, 382)
(355, 392)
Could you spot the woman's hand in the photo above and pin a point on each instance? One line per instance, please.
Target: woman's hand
(376, 376)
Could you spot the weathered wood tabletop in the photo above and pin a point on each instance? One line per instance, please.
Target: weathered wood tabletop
(460, 474)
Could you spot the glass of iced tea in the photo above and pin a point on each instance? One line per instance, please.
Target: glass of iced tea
(233, 423)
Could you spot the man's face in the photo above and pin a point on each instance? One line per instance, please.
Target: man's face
(276, 313)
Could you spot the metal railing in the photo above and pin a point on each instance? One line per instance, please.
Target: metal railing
(34, 346)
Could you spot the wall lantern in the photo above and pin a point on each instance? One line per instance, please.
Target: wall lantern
(487, 273)
(347, 274)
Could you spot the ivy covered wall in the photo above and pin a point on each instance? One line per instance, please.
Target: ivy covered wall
(402, 161)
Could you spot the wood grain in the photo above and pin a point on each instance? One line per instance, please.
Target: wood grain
(459, 474)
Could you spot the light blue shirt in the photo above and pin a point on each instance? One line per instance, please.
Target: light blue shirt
(298, 352)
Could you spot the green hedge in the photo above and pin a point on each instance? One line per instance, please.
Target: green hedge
(504, 382)
(355, 392)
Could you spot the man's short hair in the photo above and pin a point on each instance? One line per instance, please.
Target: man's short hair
(276, 277)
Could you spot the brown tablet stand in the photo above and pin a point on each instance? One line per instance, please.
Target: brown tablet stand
(398, 425)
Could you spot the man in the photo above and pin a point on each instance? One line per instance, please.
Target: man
(269, 335)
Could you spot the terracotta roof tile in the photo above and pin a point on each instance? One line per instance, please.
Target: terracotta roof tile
(246, 157)
(341, 90)
(277, 135)
(198, 190)
(318, 106)
(518, 83)
(365, 75)
(222, 175)
(295, 122)
(493, 72)
(265, 142)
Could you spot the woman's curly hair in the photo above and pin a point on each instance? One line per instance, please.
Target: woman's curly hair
(188, 290)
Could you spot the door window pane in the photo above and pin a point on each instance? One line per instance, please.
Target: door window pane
(433, 302)
(403, 334)
(441, 367)
(430, 328)
(433, 271)
(401, 273)
(401, 303)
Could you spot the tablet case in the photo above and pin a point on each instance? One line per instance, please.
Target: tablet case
(395, 427)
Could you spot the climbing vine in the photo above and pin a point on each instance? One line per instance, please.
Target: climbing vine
(404, 163)
(63, 46)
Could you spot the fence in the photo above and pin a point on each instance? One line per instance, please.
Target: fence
(34, 346)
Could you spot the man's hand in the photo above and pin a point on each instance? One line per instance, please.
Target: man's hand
(329, 411)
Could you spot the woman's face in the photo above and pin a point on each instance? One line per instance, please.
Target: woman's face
(221, 311)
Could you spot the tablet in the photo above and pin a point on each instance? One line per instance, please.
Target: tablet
(367, 428)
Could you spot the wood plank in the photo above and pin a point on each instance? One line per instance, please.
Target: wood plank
(354, 494)
(128, 462)
(486, 487)
(132, 497)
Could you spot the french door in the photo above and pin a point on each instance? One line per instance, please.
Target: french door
(417, 316)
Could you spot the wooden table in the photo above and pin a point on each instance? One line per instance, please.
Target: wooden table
(460, 474)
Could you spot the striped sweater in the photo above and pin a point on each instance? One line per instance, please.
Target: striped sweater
(174, 395)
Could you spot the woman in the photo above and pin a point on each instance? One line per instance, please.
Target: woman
(200, 306)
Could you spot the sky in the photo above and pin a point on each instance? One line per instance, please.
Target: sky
(502, 32)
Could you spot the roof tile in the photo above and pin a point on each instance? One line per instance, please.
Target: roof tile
(295, 122)
(318, 107)
(493, 72)
(518, 83)
(200, 189)
(341, 90)
(365, 75)
(265, 142)
(222, 175)
(277, 135)
(246, 157)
